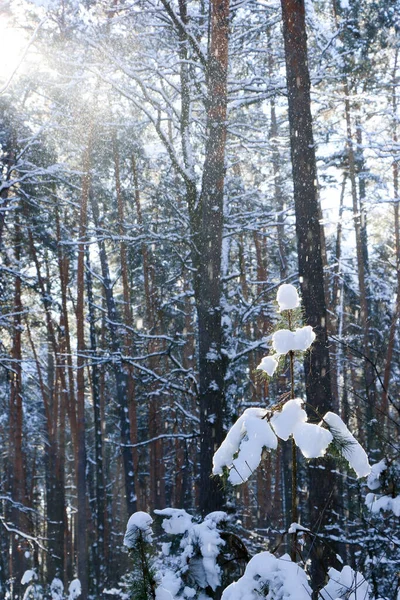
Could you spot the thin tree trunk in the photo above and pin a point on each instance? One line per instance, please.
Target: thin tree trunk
(128, 319)
(17, 472)
(395, 170)
(81, 532)
(362, 274)
(100, 567)
(120, 373)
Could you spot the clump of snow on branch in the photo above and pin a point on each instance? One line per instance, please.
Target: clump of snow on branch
(373, 481)
(285, 421)
(178, 521)
(376, 503)
(313, 440)
(28, 577)
(350, 449)
(139, 524)
(345, 585)
(284, 340)
(267, 576)
(268, 364)
(74, 589)
(242, 448)
(287, 297)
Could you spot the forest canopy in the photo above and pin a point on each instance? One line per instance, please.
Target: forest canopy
(167, 168)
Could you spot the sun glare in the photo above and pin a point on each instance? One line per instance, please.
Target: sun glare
(13, 44)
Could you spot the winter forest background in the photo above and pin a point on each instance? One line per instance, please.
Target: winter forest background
(163, 170)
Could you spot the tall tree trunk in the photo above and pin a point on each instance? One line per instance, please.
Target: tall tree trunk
(207, 218)
(81, 531)
(155, 423)
(120, 372)
(127, 312)
(308, 230)
(362, 273)
(17, 472)
(55, 497)
(396, 200)
(100, 567)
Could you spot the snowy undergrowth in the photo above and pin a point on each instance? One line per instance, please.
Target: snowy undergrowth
(186, 566)
(269, 577)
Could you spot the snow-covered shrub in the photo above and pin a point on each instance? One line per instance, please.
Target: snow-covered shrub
(194, 566)
(381, 546)
(385, 478)
(241, 451)
(34, 590)
(187, 564)
(267, 576)
(346, 585)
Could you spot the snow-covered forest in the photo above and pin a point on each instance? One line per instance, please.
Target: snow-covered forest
(200, 299)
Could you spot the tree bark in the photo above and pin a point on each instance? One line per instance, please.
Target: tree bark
(17, 471)
(396, 200)
(120, 372)
(206, 218)
(308, 230)
(81, 530)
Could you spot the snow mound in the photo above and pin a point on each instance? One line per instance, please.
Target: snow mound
(280, 578)
(345, 585)
(246, 439)
(287, 297)
(139, 524)
(352, 451)
(268, 364)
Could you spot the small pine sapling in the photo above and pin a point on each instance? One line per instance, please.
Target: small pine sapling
(241, 451)
(138, 539)
(34, 590)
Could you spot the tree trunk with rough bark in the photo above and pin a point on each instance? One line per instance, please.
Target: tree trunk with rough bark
(206, 217)
(308, 230)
